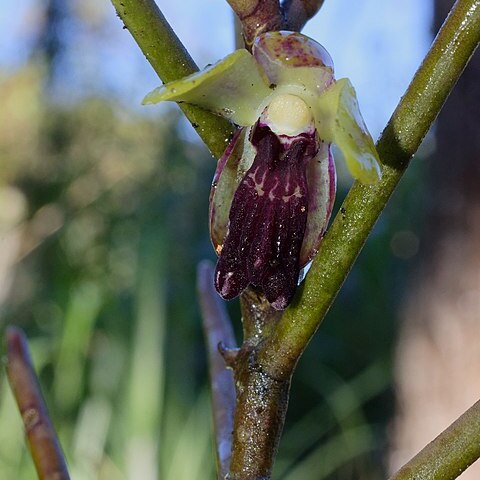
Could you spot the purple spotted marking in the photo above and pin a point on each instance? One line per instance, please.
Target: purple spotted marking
(267, 219)
(291, 49)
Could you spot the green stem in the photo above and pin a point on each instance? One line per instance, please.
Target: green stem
(452, 452)
(448, 56)
(171, 61)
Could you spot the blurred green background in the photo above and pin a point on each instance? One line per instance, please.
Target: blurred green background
(103, 219)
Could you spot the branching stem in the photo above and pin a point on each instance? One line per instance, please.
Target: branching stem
(265, 363)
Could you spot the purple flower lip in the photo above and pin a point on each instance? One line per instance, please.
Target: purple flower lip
(267, 219)
(278, 189)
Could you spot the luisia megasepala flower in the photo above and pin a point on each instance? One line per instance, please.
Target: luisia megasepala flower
(274, 187)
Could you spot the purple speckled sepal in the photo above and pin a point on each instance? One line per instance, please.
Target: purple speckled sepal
(267, 219)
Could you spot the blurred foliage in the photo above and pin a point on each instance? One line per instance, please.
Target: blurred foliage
(98, 280)
(103, 218)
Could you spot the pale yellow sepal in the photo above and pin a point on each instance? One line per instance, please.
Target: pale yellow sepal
(233, 88)
(339, 121)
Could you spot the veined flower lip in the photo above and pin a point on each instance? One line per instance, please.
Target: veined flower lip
(267, 218)
(233, 166)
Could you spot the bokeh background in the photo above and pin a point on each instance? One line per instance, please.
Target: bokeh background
(103, 219)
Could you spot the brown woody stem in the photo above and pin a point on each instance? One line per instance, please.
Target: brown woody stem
(261, 399)
(259, 418)
(42, 439)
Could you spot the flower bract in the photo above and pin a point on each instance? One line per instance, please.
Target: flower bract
(274, 187)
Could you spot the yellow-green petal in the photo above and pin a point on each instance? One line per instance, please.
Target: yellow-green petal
(339, 121)
(233, 88)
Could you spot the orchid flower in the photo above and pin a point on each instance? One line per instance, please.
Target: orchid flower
(274, 187)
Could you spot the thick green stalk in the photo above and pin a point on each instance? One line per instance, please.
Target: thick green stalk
(446, 457)
(171, 61)
(450, 52)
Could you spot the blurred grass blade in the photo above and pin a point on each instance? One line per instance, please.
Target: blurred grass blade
(346, 402)
(342, 407)
(91, 430)
(328, 457)
(359, 390)
(192, 457)
(42, 439)
(82, 311)
(147, 368)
